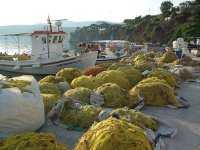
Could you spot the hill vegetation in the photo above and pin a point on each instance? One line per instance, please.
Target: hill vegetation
(174, 21)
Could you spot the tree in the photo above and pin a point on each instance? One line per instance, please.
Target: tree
(166, 8)
(185, 7)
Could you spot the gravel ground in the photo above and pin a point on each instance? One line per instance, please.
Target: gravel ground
(187, 121)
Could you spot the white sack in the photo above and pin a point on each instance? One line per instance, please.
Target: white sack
(21, 111)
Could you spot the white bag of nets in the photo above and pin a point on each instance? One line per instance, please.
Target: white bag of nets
(21, 106)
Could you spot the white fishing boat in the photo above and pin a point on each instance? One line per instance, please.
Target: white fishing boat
(47, 56)
(108, 50)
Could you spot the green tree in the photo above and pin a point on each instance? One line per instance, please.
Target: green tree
(166, 8)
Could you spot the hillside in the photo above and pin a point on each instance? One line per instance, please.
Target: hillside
(179, 21)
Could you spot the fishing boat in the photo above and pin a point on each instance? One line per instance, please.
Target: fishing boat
(108, 50)
(47, 54)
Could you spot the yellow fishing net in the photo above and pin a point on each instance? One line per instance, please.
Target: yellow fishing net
(168, 57)
(116, 65)
(113, 134)
(21, 84)
(81, 94)
(84, 81)
(156, 92)
(165, 75)
(132, 74)
(51, 79)
(83, 117)
(49, 101)
(113, 76)
(32, 141)
(138, 118)
(68, 74)
(143, 65)
(49, 88)
(114, 96)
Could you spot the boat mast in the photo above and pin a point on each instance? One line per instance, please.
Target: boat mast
(50, 28)
(18, 44)
(48, 44)
(5, 42)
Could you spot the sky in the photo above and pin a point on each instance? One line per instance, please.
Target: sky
(18, 12)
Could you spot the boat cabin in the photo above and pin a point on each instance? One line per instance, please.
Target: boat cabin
(47, 44)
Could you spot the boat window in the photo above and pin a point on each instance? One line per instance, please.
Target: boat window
(50, 38)
(55, 39)
(60, 40)
(44, 40)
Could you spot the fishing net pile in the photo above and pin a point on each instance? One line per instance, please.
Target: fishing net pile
(137, 118)
(49, 101)
(49, 88)
(52, 88)
(11, 83)
(93, 71)
(132, 74)
(84, 81)
(32, 141)
(51, 79)
(82, 117)
(68, 74)
(80, 94)
(181, 73)
(155, 92)
(50, 94)
(105, 65)
(113, 76)
(186, 61)
(113, 134)
(116, 65)
(114, 96)
(163, 74)
(143, 62)
(168, 57)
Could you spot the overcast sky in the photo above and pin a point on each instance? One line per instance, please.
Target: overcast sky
(36, 11)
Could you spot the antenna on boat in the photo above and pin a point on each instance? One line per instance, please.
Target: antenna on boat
(50, 24)
(58, 23)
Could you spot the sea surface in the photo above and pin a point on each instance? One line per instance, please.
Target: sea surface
(9, 44)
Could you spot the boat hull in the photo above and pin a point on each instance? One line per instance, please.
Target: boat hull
(45, 67)
(105, 60)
